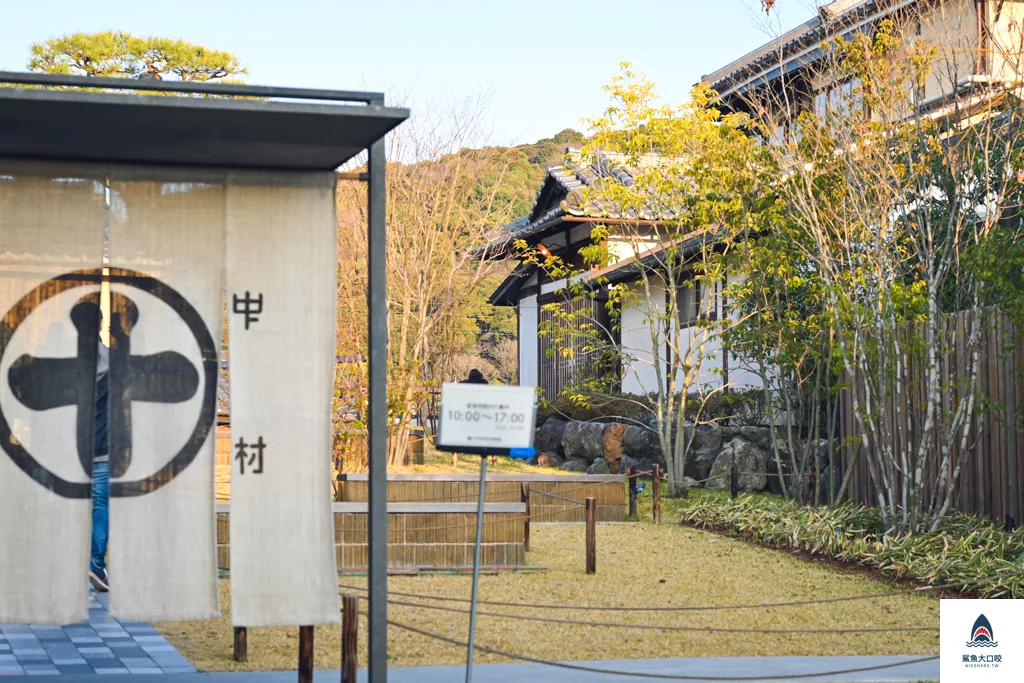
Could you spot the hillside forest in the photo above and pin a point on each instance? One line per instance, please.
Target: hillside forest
(443, 208)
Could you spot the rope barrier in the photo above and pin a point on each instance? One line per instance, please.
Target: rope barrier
(657, 627)
(706, 608)
(552, 495)
(671, 677)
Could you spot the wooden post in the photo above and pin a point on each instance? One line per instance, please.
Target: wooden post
(591, 535)
(241, 644)
(656, 490)
(305, 654)
(631, 480)
(526, 523)
(734, 481)
(349, 638)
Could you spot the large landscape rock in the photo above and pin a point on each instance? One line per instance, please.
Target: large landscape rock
(575, 465)
(706, 446)
(824, 478)
(546, 459)
(750, 460)
(549, 436)
(730, 433)
(775, 482)
(759, 436)
(599, 466)
(584, 440)
(625, 462)
(707, 440)
(698, 464)
(613, 435)
(642, 445)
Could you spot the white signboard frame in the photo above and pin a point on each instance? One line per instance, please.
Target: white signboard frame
(486, 419)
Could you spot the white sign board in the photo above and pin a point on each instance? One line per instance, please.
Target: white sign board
(979, 640)
(484, 416)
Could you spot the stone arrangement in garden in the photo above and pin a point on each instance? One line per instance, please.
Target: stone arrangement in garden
(612, 447)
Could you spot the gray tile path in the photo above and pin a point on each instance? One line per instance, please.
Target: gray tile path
(537, 673)
(101, 645)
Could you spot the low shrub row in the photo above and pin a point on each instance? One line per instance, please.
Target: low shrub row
(736, 408)
(965, 550)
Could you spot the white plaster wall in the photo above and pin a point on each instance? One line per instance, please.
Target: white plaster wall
(950, 28)
(549, 287)
(1007, 39)
(740, 374)
(529, 353)
(628, 247)
(640, 376)
(705, 349)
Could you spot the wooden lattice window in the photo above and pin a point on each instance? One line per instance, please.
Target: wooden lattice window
(567, 358)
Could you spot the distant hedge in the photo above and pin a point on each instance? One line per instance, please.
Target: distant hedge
(723, 408)
(965, 549)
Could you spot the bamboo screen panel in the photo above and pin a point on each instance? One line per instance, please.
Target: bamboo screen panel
(992, 483)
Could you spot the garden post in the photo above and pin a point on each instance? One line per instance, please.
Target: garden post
(656, 491)
(734, 481)
(526, 522)
(591, 503)
(349, 638)
(305, 654)
(241, 644)
(631, 481)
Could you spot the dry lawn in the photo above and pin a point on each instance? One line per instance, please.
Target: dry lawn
(637, 565)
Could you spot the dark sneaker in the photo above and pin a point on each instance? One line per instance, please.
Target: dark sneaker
(99, 580)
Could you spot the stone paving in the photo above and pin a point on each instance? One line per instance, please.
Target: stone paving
(743, 668)
(101, 645)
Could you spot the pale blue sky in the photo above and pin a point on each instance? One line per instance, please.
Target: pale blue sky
(543, 62)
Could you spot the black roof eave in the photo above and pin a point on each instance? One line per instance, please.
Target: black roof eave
(630, 271)
(769, 76)
(507, 293)
(221, 132)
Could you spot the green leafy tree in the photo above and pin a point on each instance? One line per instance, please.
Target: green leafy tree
(785, 338)
(443, 210)
(902, 210)
(694, 185)
(122, 55)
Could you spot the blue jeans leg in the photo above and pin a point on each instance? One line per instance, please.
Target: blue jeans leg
(100, 515)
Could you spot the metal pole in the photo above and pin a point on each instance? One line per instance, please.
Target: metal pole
(476, 568)
(377, 414)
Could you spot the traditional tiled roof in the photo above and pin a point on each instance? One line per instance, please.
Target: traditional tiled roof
(799, 46)
(629, 269)
(562, 194)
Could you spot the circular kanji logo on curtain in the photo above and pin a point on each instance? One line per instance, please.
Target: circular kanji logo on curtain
(50, 375)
